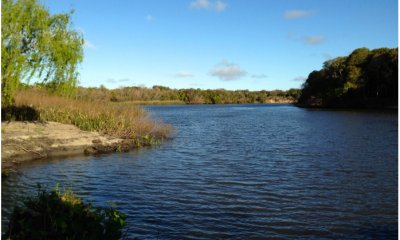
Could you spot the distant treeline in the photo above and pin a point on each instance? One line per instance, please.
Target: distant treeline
(161, 94)
(365, 78)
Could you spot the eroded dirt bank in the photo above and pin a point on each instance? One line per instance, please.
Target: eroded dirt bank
(27, 141)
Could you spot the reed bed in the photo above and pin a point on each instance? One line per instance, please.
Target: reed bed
(114, 119)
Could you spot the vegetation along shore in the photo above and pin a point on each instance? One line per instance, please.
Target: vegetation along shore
(51, 126)
(46, 114)
(364, 79)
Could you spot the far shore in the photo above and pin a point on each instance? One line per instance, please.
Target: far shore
(28, 141)
(156, 103)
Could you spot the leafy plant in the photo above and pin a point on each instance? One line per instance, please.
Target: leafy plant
(57, 215)
(35, 43)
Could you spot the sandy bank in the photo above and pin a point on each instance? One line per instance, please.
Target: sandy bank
(26, 141)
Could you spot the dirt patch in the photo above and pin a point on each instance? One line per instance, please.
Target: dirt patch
(27, 141)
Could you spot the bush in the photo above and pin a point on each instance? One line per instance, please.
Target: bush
(19, 113)
(58, 215)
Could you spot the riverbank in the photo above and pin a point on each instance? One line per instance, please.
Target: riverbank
(165, 95)
(321, 105)
(28, 141)
(44, 125)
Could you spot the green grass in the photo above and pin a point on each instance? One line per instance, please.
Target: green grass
(57, 215)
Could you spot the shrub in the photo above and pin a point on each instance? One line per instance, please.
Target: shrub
(58, 215)
(19, 113)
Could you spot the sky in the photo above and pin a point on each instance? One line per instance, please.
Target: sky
(230, 44)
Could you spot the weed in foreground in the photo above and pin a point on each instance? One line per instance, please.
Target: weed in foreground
(56, 215)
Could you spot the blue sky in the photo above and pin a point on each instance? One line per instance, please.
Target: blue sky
(231, 44)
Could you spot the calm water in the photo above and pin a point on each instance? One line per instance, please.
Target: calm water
(243, 172)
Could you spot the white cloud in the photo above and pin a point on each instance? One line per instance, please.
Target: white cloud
(299, 79)
(149, 18)
(218, 6)
(89, 45)
(314, 40)
(227, 71)
(310, 40)
(200, 4)
(327, 56)
(183, 74)
(296, 14)
(113, 80)
(259, 76)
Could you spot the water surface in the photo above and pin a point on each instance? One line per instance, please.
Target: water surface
(243, 172)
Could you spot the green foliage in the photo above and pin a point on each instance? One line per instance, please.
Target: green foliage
(37, 44)
(57, 215)
(160, 95)
(362, 79)
(357, 57)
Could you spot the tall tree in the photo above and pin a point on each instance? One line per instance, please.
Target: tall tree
(37, 44)
(364, 78)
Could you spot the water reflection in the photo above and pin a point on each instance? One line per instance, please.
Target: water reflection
(251, 171)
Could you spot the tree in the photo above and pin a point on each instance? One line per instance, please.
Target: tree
(364, 78)
(36, 44)
(358, 57)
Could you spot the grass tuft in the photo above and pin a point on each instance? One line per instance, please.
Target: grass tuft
(110, 118)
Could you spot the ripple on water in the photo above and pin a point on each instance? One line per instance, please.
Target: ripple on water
(234, 172)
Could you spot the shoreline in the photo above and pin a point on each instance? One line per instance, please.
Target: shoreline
(28, 141)
(349, 107)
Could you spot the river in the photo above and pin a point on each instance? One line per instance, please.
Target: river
(243, 172)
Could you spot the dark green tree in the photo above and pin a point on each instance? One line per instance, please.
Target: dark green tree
(362, 79)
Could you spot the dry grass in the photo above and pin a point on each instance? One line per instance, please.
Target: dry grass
(119, 120)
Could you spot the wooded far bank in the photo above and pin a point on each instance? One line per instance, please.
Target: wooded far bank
(166, 95)
(365, 78)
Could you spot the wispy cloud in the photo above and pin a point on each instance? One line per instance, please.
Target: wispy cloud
(314, 40)
(299, 79)
(296, 14)
(200, 4)
(89, 45)
(183, 74)
(227, 71)
(327, 56)
(149, 17)
(113, 80)
(196, 84)
(259, 76)
(309, 40)
(218, 6)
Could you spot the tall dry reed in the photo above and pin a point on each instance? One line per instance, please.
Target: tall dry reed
(114, 119)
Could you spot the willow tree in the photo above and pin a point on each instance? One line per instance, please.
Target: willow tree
(37, 45)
